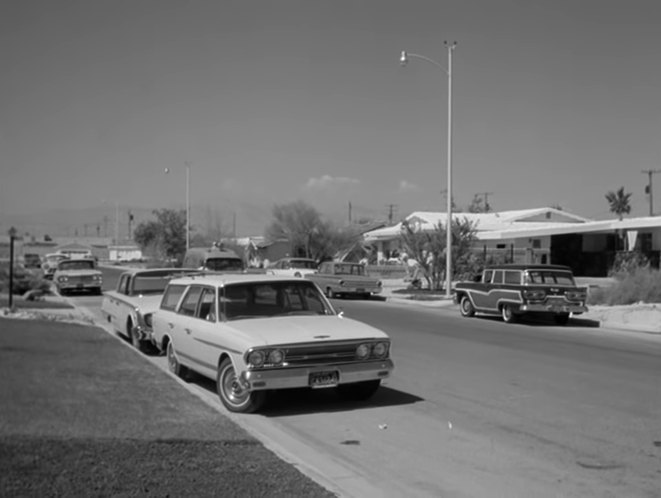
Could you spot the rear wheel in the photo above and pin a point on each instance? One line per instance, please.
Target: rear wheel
(135, 338)
(233, 394)
(173, 363)
(358, 391)
(466, 307)
(507, 312)
(561, 318)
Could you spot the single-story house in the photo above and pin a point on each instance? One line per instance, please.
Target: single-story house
(541, 235)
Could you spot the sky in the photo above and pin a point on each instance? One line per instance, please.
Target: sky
(555, 103)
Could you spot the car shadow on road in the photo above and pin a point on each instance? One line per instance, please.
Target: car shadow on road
(300, 401)
(546, 321)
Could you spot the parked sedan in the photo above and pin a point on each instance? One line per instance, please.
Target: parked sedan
(293, 267)
(77, 275)
(252, 333)
(337, 278)
(138, 294)
(49, 264)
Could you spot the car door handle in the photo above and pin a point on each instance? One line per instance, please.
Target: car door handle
(170, 325)
(188, 331)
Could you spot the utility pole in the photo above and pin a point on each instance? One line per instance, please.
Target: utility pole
(485, 195)
(648, 189)
(349, 212)
(391, 208)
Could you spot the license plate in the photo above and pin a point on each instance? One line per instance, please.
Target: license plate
(360, 290)
(79, 286)
(324, 379)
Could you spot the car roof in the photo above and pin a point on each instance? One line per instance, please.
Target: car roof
(519, 266)
(297, 259)
(148, 271)
(222, 279)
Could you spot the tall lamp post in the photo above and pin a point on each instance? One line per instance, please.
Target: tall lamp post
(403, 60)
(12, 236)
(167, 170)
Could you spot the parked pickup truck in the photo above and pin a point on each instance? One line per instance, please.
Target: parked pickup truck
(336, 278)
(512, 290)
(129, 307)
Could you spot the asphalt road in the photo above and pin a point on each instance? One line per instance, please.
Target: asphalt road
(477, 407)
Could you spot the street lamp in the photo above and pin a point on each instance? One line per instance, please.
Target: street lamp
(403, 60)
(167, 170)
(12, 236)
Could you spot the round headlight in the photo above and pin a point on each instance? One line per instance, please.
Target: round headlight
(276, 357)
(380, 349)
(62, 279)
(256, 359)
(362, 351)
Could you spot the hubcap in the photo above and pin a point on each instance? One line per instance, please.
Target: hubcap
(234, 391)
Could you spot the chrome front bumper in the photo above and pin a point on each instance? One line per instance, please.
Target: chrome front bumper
(288, 378)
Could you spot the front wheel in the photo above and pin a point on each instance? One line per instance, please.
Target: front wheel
(466, 307)
(507, 312)
(233, 394)
(358, 391)
(329, 293)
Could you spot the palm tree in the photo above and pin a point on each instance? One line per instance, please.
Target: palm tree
(619, 202)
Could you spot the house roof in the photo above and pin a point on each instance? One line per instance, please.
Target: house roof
(516, 224)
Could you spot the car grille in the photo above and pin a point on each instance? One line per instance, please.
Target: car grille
(82, 279)
(326, 353)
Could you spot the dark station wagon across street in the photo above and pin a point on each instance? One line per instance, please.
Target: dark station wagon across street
(513, 290)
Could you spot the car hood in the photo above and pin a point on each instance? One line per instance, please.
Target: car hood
(303, 329)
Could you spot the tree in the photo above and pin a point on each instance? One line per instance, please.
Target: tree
(479, 205)
(619, 202)
(164, 237)
(308, 234)
(427, 247)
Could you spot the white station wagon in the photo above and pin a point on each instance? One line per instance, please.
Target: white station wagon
(253, 332)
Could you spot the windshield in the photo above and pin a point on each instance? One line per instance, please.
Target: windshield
(550, 277)
(224, 264)
(76, 264)
(301, 263)
(272, 299)
(349, 269)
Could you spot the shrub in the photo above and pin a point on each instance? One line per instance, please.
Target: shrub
(641, 284)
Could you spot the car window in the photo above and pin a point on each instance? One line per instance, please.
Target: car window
(153, 282)
(191, 299)
(254, 300)
(513, 277)
(497, 277)
(207, 309)
(122, 285)
(488, 274)
(76, 264)
(224, 264)
(171, 296)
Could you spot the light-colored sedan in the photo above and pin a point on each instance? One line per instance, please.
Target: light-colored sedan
(253, 333)
(77, 275)
(293, 267)
(339, 278)
(128, 308)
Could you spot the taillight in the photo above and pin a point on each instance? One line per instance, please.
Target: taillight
(576, 295)
(534, 294)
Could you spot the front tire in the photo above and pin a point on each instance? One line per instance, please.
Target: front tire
(507, 312)
(466, 307)
(233, 395)
(358, 391)
(173, 363)
(135, 338)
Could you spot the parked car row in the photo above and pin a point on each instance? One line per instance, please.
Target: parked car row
(250, 333)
